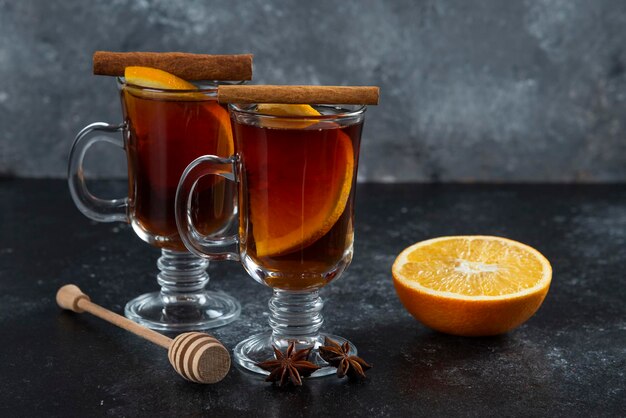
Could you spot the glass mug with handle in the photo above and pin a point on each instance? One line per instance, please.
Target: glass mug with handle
(163, 131)
(296, 178)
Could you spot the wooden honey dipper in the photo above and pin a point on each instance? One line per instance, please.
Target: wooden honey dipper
(196, 356)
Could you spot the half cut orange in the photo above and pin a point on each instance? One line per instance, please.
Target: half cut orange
(471, 285)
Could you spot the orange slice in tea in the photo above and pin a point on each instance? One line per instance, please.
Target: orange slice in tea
(287, 109)
(155, 78)
(301, 206)
(297, 114)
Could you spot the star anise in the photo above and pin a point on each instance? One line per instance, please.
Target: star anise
(290, 366)
(338, 356)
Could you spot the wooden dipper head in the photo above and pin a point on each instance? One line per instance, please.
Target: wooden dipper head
(199, 358)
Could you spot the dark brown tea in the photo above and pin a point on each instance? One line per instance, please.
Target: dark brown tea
(165, 135)
(296, 199)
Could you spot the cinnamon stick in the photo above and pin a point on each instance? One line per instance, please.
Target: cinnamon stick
(184, 65)
(365, 95)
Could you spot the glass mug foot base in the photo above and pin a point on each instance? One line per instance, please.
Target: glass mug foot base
(258, 348)
(207, 310)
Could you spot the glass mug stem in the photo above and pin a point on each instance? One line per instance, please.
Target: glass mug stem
(295, 316)
(181, 273)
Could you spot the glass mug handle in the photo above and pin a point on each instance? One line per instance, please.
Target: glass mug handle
(213, 248)
(101, 210)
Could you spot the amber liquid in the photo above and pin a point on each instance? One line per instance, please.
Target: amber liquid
(164, 137)
(285, 173)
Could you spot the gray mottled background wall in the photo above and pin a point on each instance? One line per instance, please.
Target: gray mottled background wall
(471, 90)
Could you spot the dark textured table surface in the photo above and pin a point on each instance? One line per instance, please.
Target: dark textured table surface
(568, 360)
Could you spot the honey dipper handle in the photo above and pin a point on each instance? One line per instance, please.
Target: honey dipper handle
(72, 298)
